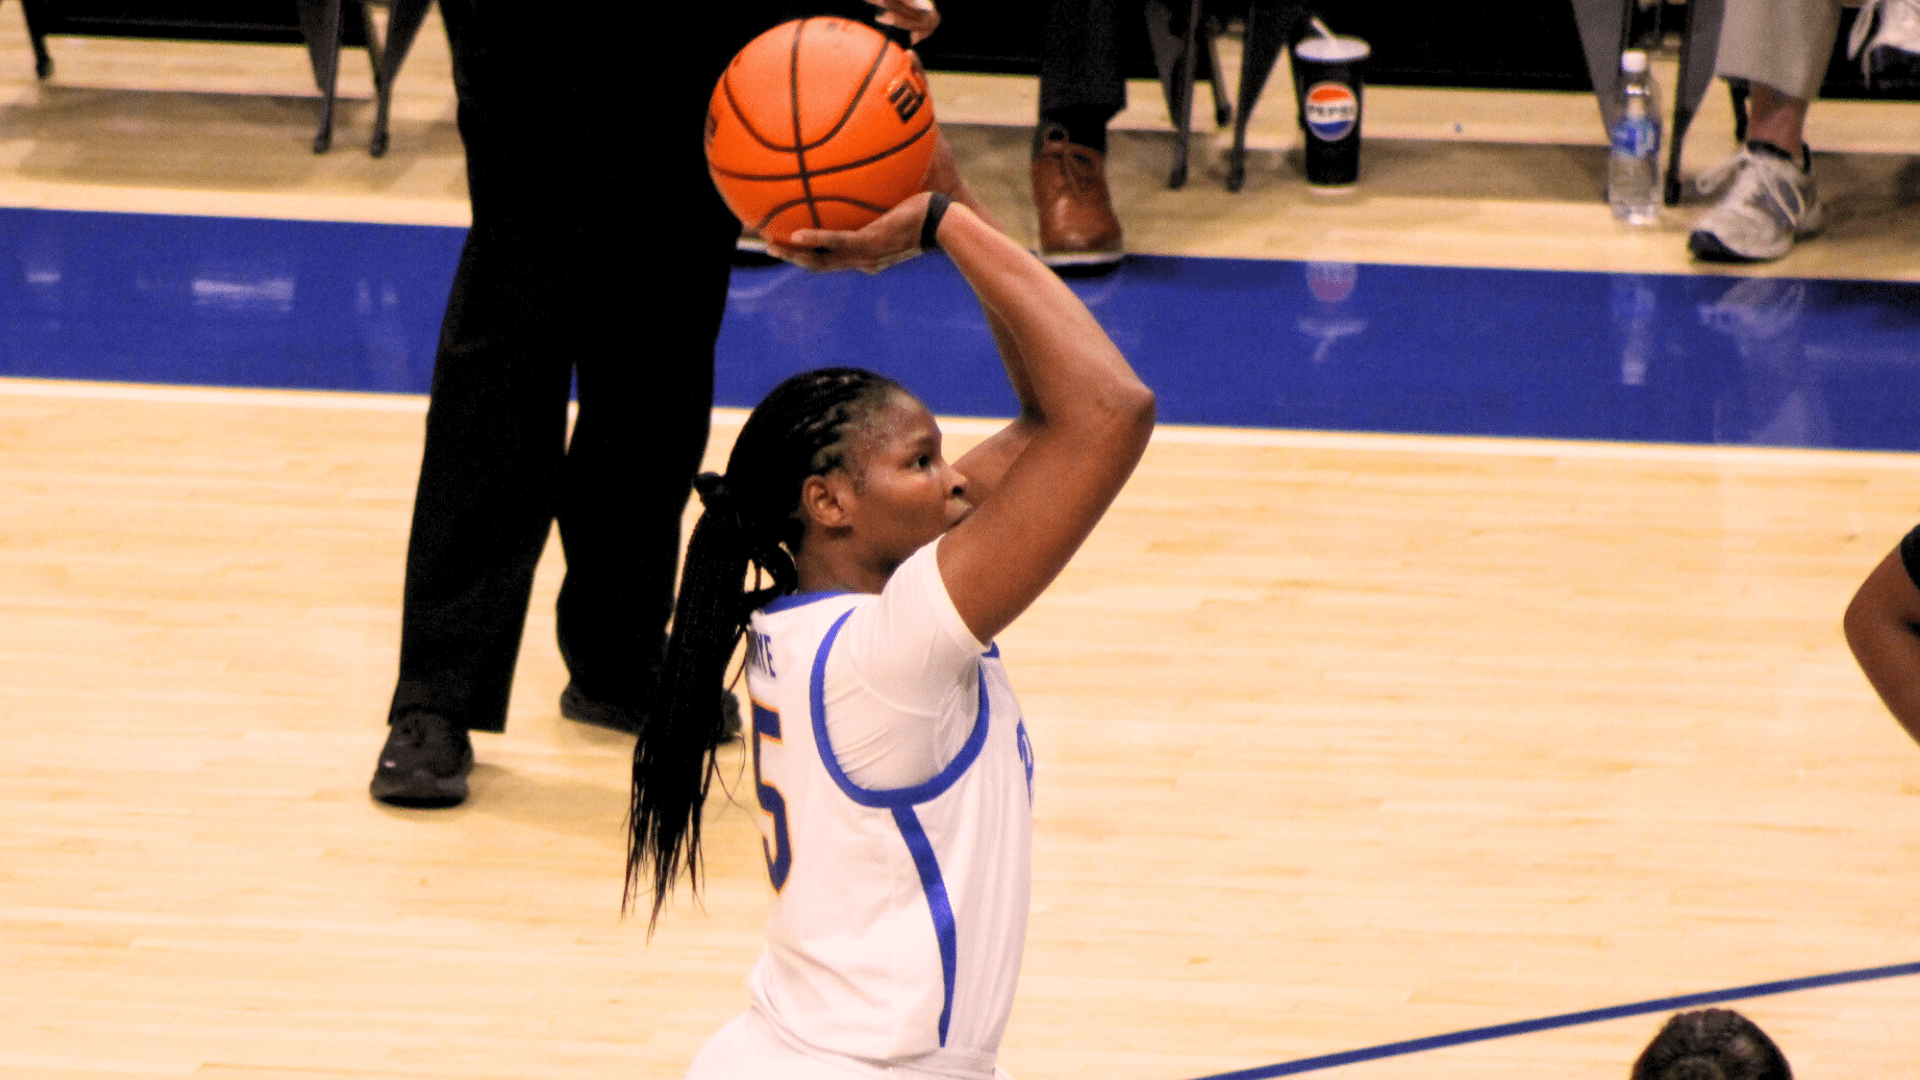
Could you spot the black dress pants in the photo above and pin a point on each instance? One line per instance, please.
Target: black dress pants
(1080, 56)
(600, 254)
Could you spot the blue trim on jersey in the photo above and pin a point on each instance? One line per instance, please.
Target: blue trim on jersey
(802, 599)
(936, 889)
(1026, 753)
(893, 797)
(993, 651)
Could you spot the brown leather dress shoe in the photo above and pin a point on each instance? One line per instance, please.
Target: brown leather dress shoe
(1077, 224)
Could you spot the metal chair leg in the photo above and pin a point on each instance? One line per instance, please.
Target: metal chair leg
(42, 61)
(1269, 25)
(1697, 60)
(1216, 75)
(320, 23)
(403, 24)
(1174, 56)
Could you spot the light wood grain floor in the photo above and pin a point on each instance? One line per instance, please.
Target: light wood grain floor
(1343, 740)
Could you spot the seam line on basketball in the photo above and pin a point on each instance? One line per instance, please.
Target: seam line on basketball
(726, 83)
(799, 142)
(852, 103)
(791, 203)
(830, 170)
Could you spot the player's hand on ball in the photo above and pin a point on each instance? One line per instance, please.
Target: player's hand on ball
(892, 238)
(918, 17)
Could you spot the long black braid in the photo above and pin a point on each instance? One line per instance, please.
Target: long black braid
(751, 520)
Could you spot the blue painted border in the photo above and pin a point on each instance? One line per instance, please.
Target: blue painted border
(1574, 1019)
(1331, 346)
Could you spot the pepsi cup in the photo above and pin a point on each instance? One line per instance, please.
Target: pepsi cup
(1326, 78)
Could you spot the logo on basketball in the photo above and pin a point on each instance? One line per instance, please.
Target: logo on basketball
(1332, 111)
(906, 98)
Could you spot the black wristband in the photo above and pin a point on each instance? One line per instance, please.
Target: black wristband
(930, 226)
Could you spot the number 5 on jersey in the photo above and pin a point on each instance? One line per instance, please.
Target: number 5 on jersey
(766, 725)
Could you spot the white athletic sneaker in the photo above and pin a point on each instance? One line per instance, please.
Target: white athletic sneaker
(1769, 203)
(1896, 36)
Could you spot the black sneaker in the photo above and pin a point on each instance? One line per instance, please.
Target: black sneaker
(424, 764)
(575, 705)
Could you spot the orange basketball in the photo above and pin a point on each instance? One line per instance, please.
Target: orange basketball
(818, 124)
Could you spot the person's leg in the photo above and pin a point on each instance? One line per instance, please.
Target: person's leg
(659, 287)
(1081, 88)
(1783, 44)
(564, 229)
(1081, 84)
(1779, 50)
(496, 430)
(645, 405)
(1776, 118)
(496, 426)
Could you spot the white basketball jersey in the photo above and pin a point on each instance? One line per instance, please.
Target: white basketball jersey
(899, 915)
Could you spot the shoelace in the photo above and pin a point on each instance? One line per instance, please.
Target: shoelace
(410, 730)
(1077, 168)
(413, 731)
(1718, 177)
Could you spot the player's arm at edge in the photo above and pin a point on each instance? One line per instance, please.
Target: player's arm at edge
(1084, 422)
(1883, 630)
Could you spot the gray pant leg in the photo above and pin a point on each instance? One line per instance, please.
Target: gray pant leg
(1783, 44)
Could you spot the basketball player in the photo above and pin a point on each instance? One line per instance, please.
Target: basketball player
(890, 758)
(1881, 629)
(552, 294)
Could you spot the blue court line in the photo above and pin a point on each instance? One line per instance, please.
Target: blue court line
(1324, 346)
(1549, 1023)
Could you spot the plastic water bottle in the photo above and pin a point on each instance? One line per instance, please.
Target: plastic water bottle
(1633, 166)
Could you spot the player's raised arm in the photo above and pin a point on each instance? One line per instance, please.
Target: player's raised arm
(1883, 629)
(1084, 422)
(1041, 485)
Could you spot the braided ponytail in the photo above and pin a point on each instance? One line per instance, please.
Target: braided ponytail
(750, 520)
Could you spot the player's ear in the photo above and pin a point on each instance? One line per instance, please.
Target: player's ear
(827, 501)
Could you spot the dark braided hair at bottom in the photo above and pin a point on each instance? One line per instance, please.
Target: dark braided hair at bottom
(751, 520)
(1711, 1044)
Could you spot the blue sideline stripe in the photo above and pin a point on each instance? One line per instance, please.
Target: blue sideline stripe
(1549, 1023)
(1679, 358)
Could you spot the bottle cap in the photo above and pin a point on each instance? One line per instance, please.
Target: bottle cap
(1633, 62)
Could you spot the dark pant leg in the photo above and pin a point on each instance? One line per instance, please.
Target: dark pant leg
(1080, 59)
(571, 234)
(646, 379)
(644, 413)
(496, 427)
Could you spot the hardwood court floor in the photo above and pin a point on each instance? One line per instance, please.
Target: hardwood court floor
(1343, 740)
